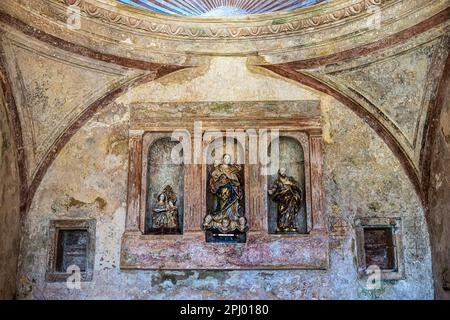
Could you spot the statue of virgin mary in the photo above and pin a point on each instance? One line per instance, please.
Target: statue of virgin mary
(225, 185)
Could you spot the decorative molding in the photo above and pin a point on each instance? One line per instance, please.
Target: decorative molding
(276, 28)
(381, 44)
(74, 48)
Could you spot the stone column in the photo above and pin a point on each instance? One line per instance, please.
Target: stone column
(193, 192)
(317, 181)
(134, 181)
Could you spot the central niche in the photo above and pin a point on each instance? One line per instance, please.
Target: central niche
(225, 221)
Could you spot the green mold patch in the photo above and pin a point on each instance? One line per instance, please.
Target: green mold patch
(171, 276)
(218, 275)
(279, 21)
(222, 107)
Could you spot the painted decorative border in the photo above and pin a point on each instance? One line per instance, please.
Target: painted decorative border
(277, 27)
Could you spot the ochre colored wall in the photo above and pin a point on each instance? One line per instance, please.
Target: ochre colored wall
(9, 207)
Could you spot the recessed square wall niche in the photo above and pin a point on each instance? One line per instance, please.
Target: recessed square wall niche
(380, 247)
(225, 185)
(71, 249)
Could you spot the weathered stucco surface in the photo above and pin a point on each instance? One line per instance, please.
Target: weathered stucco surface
(396, 85)
(79, 81)
(9, 207)
(363, 178)
(52, 88)
(439, 206)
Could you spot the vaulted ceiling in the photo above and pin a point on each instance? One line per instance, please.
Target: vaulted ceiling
(382, 58)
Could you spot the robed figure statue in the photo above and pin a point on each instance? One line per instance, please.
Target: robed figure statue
(226, 187)
(286, 192)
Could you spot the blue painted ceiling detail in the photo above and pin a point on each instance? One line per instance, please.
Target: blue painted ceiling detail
(219, 8)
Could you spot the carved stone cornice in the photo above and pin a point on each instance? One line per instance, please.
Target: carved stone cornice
(308, 33)
(273, 24)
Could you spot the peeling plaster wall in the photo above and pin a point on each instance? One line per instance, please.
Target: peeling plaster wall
(89, 180)
(9, 207)
(439, 207)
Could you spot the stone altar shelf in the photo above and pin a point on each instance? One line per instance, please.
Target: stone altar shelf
(190, 251)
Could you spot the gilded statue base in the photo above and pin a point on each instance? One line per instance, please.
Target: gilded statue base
(216, 236)
(286, 231)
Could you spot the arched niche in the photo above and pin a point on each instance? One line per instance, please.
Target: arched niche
(216, 148)
(161, 172)
(291, 156)
(215, 152)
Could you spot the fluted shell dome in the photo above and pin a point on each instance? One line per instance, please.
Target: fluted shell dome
(219, 8)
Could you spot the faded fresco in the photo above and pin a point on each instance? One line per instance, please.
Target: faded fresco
(86, 113)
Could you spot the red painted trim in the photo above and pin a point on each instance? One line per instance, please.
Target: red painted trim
(73, 48)
(431, 128)
(16, 128)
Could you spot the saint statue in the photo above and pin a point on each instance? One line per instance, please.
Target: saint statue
(165, 212)
(286, 192)
(225, 185)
